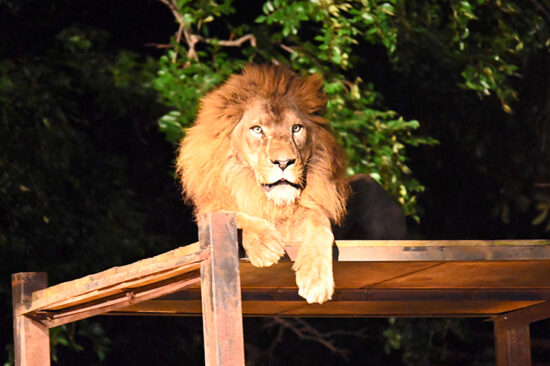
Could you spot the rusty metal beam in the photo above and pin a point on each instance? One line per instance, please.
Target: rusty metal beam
(221, 291)
(31, 337)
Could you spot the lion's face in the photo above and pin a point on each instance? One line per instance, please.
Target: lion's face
(273, 140)
(260, 146)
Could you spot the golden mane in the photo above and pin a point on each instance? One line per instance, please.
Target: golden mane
(214, 180)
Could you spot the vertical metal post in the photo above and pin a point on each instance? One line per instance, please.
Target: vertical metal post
(31, 338)
(221, 291)
(512, 344)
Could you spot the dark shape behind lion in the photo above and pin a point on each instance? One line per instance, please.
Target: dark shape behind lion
(372, 214)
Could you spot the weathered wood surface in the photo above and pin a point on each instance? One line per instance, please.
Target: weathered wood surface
(512, 343)
(119, 279)
(508, 280)
(31, 338)
(519, 268)
(119, 300)
(439, 250)
(221, 292)
(338, 309)
(443, 243)
(409, 289)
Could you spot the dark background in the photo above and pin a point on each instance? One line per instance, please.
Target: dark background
(87, 183)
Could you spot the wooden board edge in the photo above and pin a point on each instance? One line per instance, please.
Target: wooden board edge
(439, 243)
(143, 268)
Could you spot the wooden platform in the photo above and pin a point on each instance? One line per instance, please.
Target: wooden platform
(373, 278)
(506, 280)
(410, 289)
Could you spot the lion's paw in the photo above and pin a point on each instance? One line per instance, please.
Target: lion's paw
(263, 247)
(314, 278)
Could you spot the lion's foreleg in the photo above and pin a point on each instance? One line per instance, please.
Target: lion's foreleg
(262, 242)
(313, 264)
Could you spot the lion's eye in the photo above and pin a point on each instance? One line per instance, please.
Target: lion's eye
(297, 128)
(257, 130)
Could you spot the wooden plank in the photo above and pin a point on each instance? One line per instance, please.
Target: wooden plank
(31, 337)
(512, 344)
(346, 275)
(412, 308)
(111, 281)
(391, 294)
(439, 250)
(337, 309)
(481, 275)
(441, 243)
(527, 315)
(123, 287)
(417, 275)
(400, 274)
(134, 274)
(444, 253)
(119, 301)
(512, 341)
(221, 291)
(371, 302)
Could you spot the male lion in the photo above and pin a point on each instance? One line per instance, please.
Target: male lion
(260, 148)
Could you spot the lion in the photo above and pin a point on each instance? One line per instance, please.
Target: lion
(259, 147)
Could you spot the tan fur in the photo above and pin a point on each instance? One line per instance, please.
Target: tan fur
(225, 165)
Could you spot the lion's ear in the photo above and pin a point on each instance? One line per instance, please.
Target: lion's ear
(313, 95)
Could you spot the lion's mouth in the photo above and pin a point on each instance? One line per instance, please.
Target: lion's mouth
(269, 186)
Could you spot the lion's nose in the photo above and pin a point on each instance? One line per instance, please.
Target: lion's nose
(283, 163)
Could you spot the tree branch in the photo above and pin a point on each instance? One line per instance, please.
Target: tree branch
(288, 49)
(234, 43)
(159, 45)
(173, 8)
(306, 331)
(542, 9)
(192, 39)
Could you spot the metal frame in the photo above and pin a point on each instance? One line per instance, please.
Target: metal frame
(36, 307)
